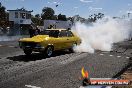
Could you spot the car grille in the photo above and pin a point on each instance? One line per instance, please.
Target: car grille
(28, 44)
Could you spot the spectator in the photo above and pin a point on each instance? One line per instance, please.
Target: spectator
(31, 31)
(37, 31)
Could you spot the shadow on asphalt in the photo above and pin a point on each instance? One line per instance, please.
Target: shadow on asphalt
(36, 56)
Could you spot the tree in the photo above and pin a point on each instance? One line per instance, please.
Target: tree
(37, 20)
(37, 16)
(70, 18)
(100, 15)
(3, 16)
(54, 17)
(7, 16)
(62, 17)
(95, 17)
(47, 13)
(2, 13)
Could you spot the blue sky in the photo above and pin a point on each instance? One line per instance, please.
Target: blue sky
(73, 7)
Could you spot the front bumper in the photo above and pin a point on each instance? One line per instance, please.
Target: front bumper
(31, 45)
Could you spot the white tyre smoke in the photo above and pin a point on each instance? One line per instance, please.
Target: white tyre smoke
(102, 34)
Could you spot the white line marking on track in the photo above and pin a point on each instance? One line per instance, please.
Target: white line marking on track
(101, 54)
(118, 56)
(111, 55)
(30, 86)
(128, 57)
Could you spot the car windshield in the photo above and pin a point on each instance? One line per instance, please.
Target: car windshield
(51, 33)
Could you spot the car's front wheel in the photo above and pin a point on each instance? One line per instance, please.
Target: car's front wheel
(49, 51)
(27, 51)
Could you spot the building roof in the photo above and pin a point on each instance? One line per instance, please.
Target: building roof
(22, 9)
(56, 29)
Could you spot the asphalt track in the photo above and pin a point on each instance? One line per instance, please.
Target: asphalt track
(62, 70)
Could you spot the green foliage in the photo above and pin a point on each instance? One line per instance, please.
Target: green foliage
(2, 13)
(37, 16)
(93, 18)
(37, 20)
(47, 13)
(62, 17)
(3, 16)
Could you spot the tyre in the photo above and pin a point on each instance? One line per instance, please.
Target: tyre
(49, 51)
(72, 48)
(27, 51)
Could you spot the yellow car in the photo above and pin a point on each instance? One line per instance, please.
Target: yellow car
(50, 40)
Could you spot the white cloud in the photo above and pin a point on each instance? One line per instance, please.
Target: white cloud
(128, 4)
(120, 11)
(75, 7)
(48, 2)
(94, 9)
(86, 1)
(54, 2)
(129, 11)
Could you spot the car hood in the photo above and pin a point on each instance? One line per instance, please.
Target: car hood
(38, 38)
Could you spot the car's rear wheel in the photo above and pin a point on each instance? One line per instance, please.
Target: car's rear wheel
(72, 48)
(27, 51)
(49, 51)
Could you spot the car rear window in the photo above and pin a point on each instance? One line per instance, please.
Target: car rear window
(69, 34)
(63, 33)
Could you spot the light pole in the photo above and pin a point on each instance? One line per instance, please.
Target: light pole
(129, 15)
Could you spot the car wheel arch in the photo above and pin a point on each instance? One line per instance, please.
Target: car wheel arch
(50, 45)
(46, 52)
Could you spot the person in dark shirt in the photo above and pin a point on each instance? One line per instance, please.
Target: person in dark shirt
(37, 31)
(31, 31)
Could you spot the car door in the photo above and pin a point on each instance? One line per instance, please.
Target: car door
(70, 39)
(63, 39)
(55, 40)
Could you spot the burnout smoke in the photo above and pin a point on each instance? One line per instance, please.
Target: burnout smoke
(102, 34)
(11, 38)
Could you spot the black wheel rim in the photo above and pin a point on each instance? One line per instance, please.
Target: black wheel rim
(49, 51)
